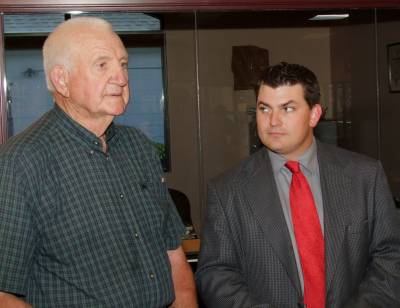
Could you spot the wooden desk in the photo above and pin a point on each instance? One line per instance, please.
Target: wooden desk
(191, 249)
(191, 246)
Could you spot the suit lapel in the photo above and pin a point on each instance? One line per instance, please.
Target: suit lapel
(336, 191)
(261, 191)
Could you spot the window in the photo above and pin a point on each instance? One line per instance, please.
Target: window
(28, 98)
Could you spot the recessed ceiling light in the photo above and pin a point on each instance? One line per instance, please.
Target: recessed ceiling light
(329, 17)
(75, 12)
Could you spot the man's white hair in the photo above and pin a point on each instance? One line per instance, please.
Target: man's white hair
(63, 43)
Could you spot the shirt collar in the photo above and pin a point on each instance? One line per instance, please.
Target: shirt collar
(308, 160)
(73, 128)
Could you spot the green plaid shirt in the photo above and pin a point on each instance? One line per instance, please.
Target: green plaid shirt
(81, 228)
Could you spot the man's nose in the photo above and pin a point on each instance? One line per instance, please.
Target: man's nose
(120, 76)
(275, 118)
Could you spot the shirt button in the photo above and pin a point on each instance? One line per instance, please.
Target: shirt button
(121, 196)
(96, 142)
(91, 152)
(151, 275)
(107, 157)
(136, 235)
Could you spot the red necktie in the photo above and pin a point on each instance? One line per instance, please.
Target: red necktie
(309, 238)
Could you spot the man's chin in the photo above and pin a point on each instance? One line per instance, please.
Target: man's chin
(273, 146)
(118, 109)
(119, 112)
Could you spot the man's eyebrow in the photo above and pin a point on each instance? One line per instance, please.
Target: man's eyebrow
(262, 103)
(101, 58)
(288, 103)
(280, 105)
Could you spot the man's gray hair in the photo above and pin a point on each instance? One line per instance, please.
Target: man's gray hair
(63, 43)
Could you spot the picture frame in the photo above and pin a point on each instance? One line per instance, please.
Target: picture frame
(393, 57)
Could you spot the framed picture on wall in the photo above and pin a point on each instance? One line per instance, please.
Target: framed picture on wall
(393, 52)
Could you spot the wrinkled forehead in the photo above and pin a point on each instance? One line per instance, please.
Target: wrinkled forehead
(88, 44)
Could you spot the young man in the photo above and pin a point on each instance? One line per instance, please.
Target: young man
(299, 223)
(85, 217)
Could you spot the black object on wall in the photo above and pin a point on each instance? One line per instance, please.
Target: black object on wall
(248, 62)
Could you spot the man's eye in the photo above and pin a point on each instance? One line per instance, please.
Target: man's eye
(289, 109)
(124, 65)
(102, 64)
(264, 109)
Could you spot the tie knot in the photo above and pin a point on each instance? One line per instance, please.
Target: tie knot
(293, 166)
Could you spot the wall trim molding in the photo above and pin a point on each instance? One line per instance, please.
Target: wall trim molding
(186, 5)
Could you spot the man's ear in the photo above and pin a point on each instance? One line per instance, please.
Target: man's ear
(316, 112)
(59, 77)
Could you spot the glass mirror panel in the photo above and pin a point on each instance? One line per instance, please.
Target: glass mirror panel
(192, 77)
(163, 101)
(181, 80)
(142, 35)
(235, 46)
(388, 48)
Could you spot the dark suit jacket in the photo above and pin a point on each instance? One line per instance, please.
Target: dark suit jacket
(246, 257)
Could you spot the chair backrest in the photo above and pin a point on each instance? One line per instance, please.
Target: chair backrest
(182, 205)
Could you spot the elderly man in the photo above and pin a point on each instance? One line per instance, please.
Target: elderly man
(85, 216)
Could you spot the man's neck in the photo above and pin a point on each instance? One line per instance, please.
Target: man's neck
(103, 141)
(97, 126)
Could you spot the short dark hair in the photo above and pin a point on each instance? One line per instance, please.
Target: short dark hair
(291, 74)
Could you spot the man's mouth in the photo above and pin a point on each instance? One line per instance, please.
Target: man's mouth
(275, 133)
